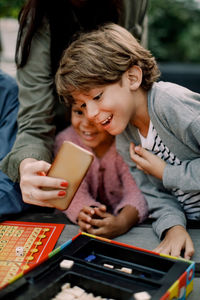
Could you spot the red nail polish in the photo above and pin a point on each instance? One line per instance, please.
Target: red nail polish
(64, 184)
(61, 193)
(41, 173)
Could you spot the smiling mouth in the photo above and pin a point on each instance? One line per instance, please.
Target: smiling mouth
(107, 120)
(87, 133)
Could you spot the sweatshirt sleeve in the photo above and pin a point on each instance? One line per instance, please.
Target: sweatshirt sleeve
(164, 208)
(175, 114)
(131, 193)
(82, 198)
(36, 127)
(186, 176)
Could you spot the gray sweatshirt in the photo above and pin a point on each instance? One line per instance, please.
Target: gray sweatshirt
(175, 114)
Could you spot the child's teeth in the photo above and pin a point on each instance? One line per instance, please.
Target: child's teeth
(107, 120)
(87, 133)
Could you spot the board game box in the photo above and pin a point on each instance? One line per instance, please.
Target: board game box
(97, 268)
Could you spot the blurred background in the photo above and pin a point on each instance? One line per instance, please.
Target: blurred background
(173, 38)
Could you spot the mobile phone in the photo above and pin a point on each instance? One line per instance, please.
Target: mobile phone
(71, 163)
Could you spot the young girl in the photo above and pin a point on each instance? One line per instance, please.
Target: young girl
(112, 78)
(108, 202)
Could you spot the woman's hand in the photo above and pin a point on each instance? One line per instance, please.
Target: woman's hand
(33, 182)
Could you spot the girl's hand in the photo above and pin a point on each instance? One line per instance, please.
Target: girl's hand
(95, 220)
(147, 161)
(85, 217)
(105, 224)
(33, 181)
(110, 226)
(176, 240)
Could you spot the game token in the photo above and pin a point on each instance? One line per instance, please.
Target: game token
(66, 263)
(34, 250)
(108, 266)
(38, 243)
(25, 267)
(30, 258)
(89, 258)
(126, 270)
(142, 296)
(19, 251)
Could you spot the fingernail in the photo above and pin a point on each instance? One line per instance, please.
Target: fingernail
(42, 173)
(61, 193)
(64, 184)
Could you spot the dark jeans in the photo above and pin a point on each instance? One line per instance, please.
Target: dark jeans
(10, 195)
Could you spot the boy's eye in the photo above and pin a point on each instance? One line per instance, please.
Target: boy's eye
(98, 97)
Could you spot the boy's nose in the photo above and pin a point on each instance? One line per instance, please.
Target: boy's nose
(92, 110)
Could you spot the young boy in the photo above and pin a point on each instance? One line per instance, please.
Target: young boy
(113, 78)
(102, 206)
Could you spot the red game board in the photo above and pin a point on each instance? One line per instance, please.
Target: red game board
(37, 240)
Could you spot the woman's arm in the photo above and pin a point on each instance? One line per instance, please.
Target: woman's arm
(37, 107)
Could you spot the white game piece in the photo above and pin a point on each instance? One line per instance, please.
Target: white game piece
(83, 296)
(19, 251)
(142, 296)
(108, 266)
(65, 297)
(66, 264)
(90, 296)
(66, 286)
(77, 291)
(126, 270)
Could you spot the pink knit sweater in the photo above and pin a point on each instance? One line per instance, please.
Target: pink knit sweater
(107, 180)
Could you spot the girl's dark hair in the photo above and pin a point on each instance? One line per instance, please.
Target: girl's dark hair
(65, 20)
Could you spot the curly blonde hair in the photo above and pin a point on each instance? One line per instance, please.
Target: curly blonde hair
(100, 57)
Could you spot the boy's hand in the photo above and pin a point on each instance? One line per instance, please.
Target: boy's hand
(176, 240)
(147, 161)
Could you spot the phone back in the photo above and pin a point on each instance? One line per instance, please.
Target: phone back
(71, 163)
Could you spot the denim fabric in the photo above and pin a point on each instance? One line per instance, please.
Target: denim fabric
(10, 195)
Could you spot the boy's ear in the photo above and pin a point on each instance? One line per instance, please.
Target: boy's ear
(135, 77)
